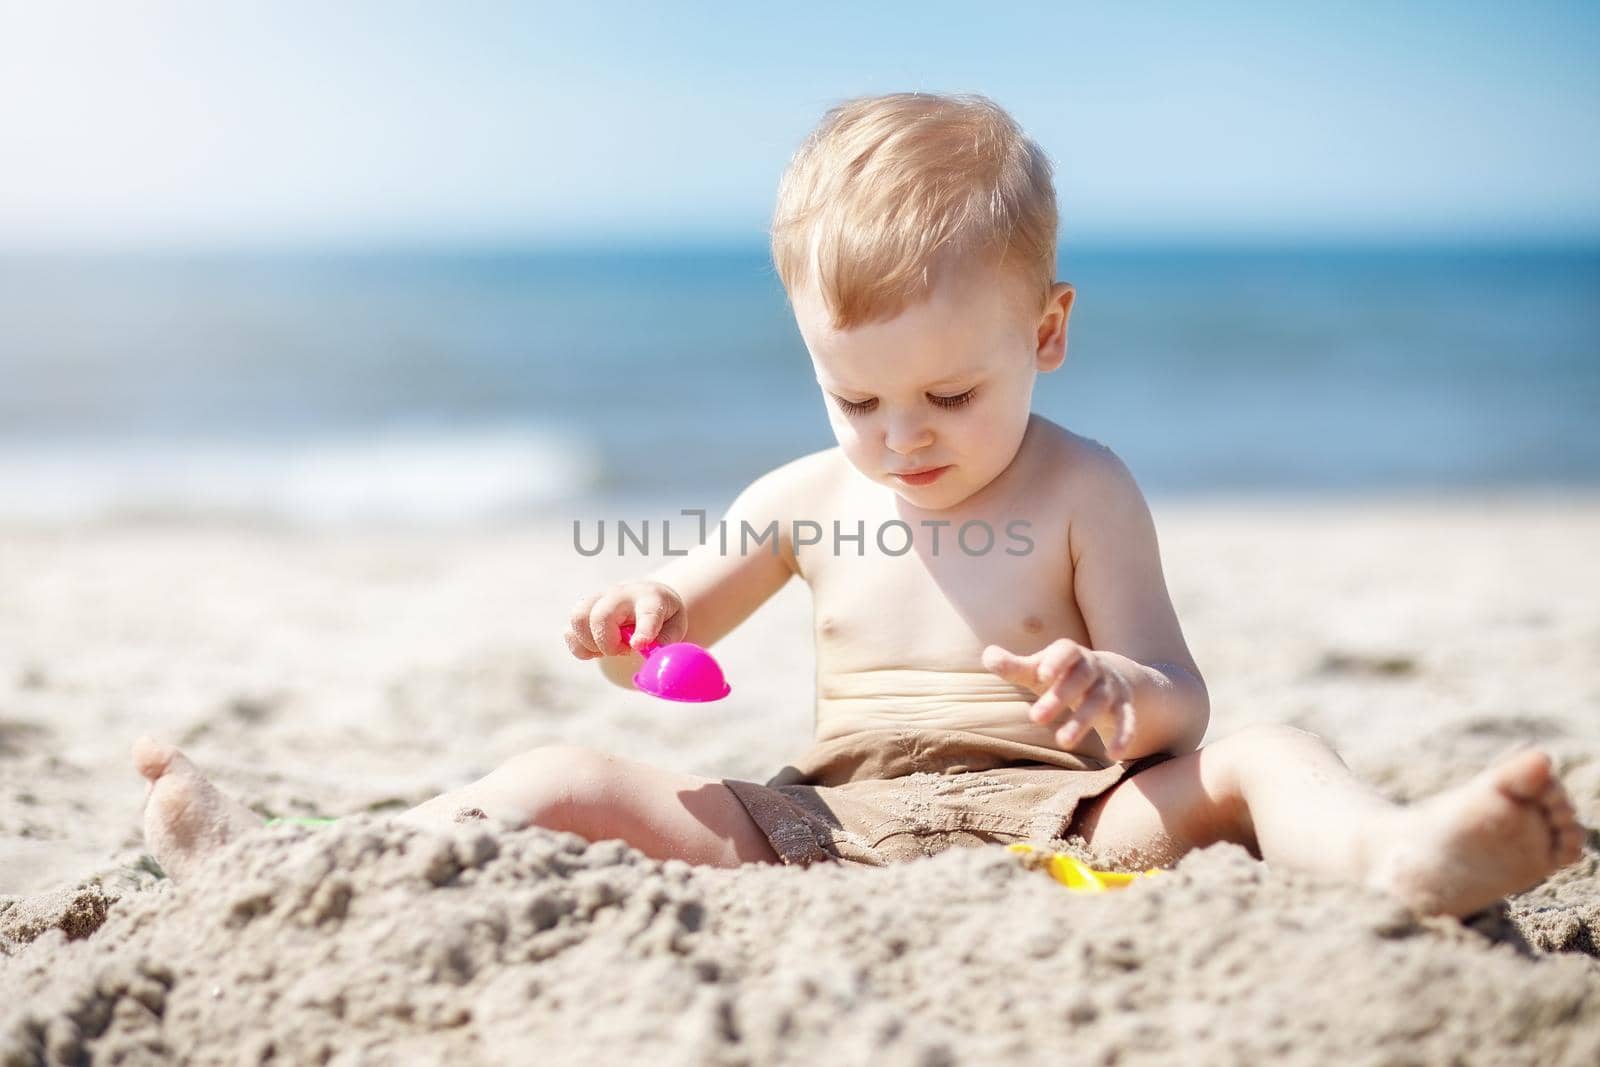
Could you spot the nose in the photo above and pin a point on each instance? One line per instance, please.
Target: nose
(906, 435)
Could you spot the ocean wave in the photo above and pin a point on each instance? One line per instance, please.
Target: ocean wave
(428, 477)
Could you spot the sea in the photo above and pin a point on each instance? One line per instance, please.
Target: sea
(482, 385)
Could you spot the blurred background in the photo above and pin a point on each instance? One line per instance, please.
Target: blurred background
(461, 263)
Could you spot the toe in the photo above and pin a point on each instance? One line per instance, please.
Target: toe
(1523, 775)
(1569, 844)
(1562, 813)
(152, 758)
(1555, 798)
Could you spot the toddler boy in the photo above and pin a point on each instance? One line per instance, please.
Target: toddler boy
(998, 659)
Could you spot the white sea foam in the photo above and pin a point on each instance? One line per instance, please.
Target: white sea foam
(411, 476)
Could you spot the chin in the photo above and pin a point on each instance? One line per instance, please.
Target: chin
(931, 497)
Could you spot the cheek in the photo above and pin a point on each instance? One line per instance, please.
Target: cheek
(856, 446)
(848, 436)
(994, 429)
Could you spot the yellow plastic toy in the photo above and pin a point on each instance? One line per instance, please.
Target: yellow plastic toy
(1075, 874)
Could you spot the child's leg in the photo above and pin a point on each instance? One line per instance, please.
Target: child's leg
(664, 814)
(1283, 794)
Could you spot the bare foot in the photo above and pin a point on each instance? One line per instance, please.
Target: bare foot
(1504, 831)
(185, 816)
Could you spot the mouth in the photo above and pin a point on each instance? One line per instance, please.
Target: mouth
(925, 476)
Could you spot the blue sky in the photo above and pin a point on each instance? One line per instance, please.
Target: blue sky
(308, 122)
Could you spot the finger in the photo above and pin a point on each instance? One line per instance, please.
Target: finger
(1057, 660)
(1119, 712)
(1061, 697)
(1094, 706)
(1048, 708)
(1018, 670)
(1075, 684)
(649, 611)
(605, 623)
(578, 629)
(576, 646)
(1122, 732)
(676, 628)
(1037, 671)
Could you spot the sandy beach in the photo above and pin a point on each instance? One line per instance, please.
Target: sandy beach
(355, 672)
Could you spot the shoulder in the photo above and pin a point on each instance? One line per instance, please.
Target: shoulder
(1101, 499)
(797, 483)
(802, 488)
(1079, 465)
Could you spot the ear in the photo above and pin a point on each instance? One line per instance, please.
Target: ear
(1052, 336)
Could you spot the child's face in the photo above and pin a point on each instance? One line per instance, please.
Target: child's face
(946, 384)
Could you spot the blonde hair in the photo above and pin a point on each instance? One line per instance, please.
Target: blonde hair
(887, 190)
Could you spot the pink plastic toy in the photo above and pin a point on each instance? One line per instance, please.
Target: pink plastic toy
(680, 671)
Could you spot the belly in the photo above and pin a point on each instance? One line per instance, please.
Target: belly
(975, 702)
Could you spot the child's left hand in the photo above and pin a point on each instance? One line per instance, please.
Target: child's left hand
(1074, 682)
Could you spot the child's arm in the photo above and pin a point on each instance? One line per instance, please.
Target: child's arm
(707, 593)
(1136, 684)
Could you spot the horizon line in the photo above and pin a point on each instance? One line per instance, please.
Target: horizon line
(659, 244)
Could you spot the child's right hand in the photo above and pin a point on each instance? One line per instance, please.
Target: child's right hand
(655, 610)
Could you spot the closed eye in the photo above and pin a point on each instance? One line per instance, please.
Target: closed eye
(851, 407)
(862, 407)
(953, 401)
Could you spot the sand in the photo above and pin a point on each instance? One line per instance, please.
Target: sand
(355, 672)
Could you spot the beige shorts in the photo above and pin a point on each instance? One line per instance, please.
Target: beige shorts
(883, 796)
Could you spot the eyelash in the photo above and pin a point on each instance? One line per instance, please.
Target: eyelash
(850, 407)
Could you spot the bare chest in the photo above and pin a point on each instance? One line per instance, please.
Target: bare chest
(894, 589)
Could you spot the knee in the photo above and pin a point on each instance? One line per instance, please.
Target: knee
(565, 779)
(1265, 741)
